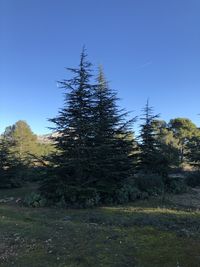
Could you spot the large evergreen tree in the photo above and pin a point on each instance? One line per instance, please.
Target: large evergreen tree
(93, 142)
(113, 143)
(71, 167)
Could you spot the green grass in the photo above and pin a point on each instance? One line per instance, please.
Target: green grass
(142, 234)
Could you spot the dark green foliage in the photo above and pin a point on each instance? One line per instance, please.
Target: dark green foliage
(152, 184)
(34, 200)
(63, 194)
(176, 185)
(128, 192)
(148, 158)
(193, 151)
(19, 155)
(183, 129)
(80, 197)
(22, 141)
(159, 152)
(23, 144)
(35, 173)
(93, 141)
(113, 142)
(167, 144)
(10, 167)
(72, 165)
(193, 179)
(158, 147)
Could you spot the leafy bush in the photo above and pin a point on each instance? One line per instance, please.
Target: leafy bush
(193, 179)
(150, 183)
(128, 192)
(9, 179)
(176, 186)
(73, 196)
(76, 197)
(34, 200)
(35, 174)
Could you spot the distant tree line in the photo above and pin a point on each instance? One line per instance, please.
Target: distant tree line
(95, 157)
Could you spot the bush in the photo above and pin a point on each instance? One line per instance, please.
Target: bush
(150, 183)
(76, 197)
(176, 186)
(34, 200)
(9, 180)
(128, 192)
(72, 196)
(193, 179)
(35, 174)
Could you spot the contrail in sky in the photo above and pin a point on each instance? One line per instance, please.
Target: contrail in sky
(144, 65)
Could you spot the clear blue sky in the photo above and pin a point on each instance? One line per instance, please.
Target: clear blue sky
(149, 48)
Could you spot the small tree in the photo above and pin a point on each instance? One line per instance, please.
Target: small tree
(193, 154)
(22, 141)
(167, 144)
(9, 166)
(148, 158)
(184, 130)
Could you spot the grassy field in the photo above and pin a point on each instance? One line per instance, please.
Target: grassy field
(142, 234)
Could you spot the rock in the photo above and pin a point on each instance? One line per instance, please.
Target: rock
(5, 200)
(18, 200)
(67, 218)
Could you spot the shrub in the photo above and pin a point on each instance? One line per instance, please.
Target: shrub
(34, 200)
(193, 179)
(35, 174)
(176, 185)
(76, 197)
(150, 183)
(128, 192)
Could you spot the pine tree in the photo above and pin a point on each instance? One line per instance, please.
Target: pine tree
(71, 170)
(113, 143)
(167, 144)
(149, 155)
(93, 140)
(4, 165)
(184, 130)
(193, 152)
(8, 166)
(22, 141)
